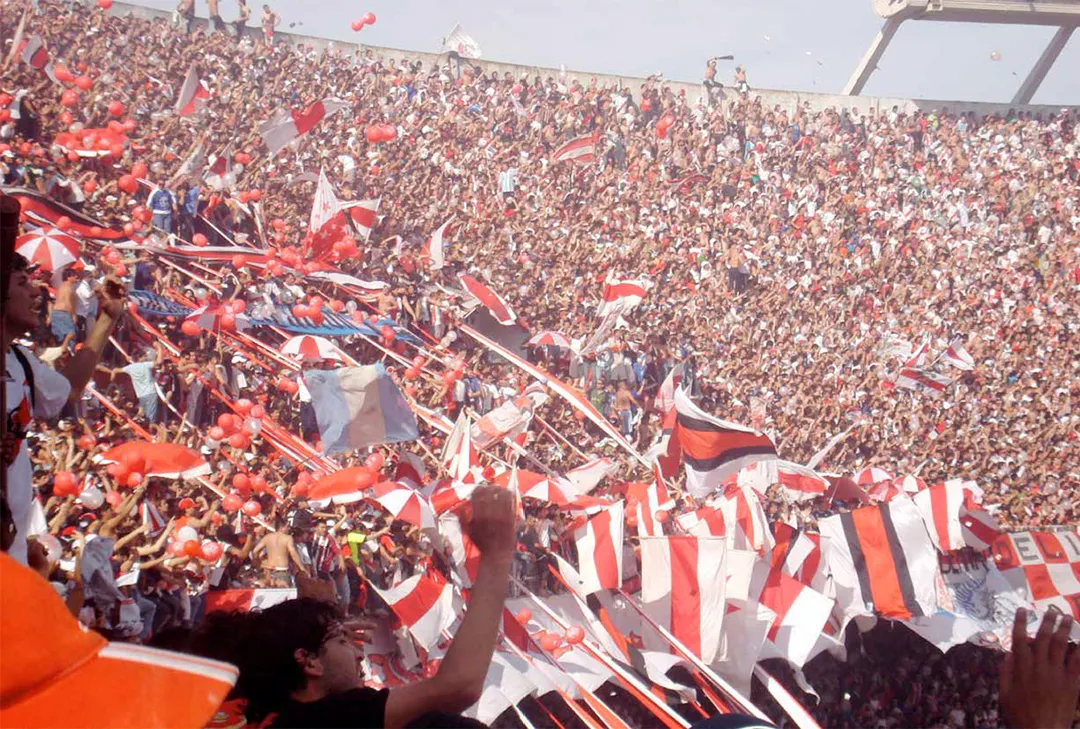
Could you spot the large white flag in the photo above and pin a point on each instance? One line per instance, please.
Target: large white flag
(358, 407)
(462, 43)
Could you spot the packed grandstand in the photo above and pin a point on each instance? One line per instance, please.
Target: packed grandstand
(784, 396)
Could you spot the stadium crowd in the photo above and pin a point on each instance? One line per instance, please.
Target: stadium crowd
(796, 259)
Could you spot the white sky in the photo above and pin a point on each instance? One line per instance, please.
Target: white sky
(770, 38)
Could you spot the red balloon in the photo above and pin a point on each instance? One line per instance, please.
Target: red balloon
(252, 508)
(254, 195)
(412, 373)
(372, 134)
(114, 499)
(243, 406)
(232, 503)
(217, 433)
(239, 440)
(239, 261)
(190, 328)
(192, 548)
(69, 99)
(228, 322)
(357, 25)
(299, 490)
(134, 479)
(662, 516)
(104, 4)
(227, 422)
(258, 484)
(84, 83)
(300, 311)
(63, 75)
(374, 461)
(139, 169)
(524, 615)
(199, 239)
(129, 126)
(128, 184)
(64, 483)
(575, 634)
(116, 108)
(550, 642)
(86, 442)
(387, 332)
(368, 19)
(278, 224)
(89, 186)
(258, 412)
(241, 482)
(212, 551)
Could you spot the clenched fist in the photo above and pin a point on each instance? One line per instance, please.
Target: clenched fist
(492, 520)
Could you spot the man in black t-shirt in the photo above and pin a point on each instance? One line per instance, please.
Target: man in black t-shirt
(300, 664)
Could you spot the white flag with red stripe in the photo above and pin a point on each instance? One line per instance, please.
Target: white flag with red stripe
(363, 214)
(682, 589)
(193, 94)
(424, 604)
(586, 477)
(459, 455)
(940, 507)
(288, 125)
(445, 494)
(581, 149)
(958, 357)
(151, 518)
(665, 398)
(433, 248)
(464, 554)
(800, 483)
(325, 205)
(247, 600)
(704, 522)
(599, 548)
(622, 295)
(746, 521)
(410, 469)
(801, 613)
(923, 381)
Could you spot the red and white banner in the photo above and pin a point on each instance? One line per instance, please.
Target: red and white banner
(703, 522)
(600, 550)
(682, 589)
(1047, 566)
(587, 476)
(433, 248)
(923, 381)
(621, 295)
(801, 613)
(798, 554)
(745, 519)
(958, 357)
(363, 214)
(424, 604)
(800, 483)
(459, 455)
(486, 296)
(582, 149)
(193, 94)
(464, 554)
(940, 507)
(288, 125)
(247, 600)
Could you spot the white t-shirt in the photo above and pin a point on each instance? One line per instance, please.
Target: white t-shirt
(52, 390)
(142, 377)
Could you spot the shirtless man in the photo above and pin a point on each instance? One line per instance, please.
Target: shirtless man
(387, 302)
(62, 316)
(280, 550)
(623, 400)
(215, 15)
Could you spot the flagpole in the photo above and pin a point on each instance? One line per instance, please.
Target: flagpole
(661, 710)
(732, 693)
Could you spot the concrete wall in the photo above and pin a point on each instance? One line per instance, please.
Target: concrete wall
(787, 100)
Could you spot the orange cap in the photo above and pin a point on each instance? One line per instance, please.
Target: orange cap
(56, 673)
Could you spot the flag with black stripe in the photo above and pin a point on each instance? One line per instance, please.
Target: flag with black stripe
(715, 450)
(882, 560)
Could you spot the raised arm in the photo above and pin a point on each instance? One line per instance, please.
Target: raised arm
(460, 679)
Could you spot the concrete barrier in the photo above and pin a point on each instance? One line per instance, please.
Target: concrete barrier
(786, 100)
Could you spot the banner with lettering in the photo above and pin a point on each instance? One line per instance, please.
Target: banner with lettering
(1045, 565)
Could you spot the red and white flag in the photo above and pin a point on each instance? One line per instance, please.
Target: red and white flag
(247, 600)
(703, 522)
(363, 214)
(945, 507)
(882, 561)
(444, 495)
(151, 518)
(464, 554)
(410, 469)
(979, 528)
(433, 248)
(923, 381)
(582, 149)
(715, 450)
(325, 205)
(193, 94)
(600, 550)
(801, 614)
(665, 398)
(958, 357)
(918, 357)
(424, 604)
(682, 589)
(34, 53)
(621, 295)
(746, 521)
(288, 125)
(459, 455)
(798, 554)
(586, 477)
(800, 483)
(486, 296)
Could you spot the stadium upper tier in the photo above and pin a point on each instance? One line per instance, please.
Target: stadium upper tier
(787, 100)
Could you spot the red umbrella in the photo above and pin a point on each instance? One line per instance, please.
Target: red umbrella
(405, 504)
(550, 339)
(308, 348)
(165, 460)
(212, 318)
(52, 249)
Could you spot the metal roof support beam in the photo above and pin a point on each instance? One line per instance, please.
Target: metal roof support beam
(869, 62)
(1049, 56)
